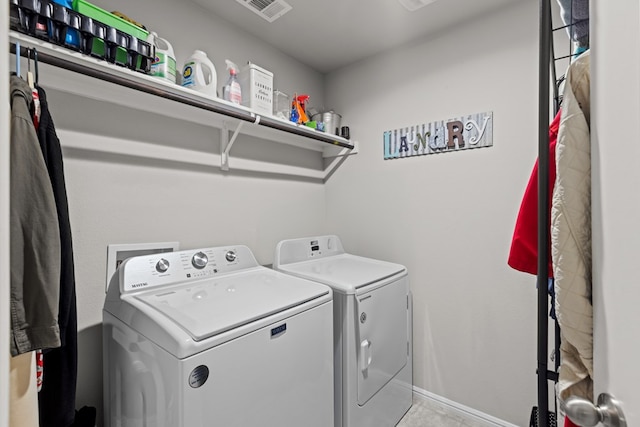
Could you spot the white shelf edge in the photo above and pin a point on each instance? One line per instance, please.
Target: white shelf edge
(216, 111)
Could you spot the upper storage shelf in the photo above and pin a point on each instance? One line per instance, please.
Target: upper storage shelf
(185, 104)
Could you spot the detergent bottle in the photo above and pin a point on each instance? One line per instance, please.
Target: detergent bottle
(199, 74)
(232, 91)
(164, 62)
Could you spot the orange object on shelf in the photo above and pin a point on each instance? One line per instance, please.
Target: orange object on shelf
(300, 101)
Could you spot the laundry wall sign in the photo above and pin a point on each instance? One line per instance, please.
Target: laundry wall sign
(460, 133)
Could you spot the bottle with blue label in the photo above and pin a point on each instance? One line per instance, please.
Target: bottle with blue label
(199, 74)
(164, 62)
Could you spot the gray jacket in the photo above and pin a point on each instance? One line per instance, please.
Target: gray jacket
(35, 238)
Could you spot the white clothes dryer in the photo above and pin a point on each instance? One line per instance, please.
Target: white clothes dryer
(210, 338)
(372, 314)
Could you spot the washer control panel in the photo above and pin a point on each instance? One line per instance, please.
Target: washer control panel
(149, 271)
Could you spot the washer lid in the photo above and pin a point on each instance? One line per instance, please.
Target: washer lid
(344, 272)
(210, 307)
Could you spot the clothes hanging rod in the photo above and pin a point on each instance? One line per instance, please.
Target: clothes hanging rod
(194, 101)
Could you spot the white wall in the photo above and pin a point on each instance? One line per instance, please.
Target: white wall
(615, 106)
(122, 199)
(449, 217)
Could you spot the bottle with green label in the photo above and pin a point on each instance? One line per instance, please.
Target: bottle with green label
(164, 62)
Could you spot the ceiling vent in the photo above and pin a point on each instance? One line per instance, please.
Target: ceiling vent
(268, 9)
(412, 5)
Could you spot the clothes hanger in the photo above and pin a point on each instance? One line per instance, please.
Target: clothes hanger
(32, 78)
(29, 73)
(35, 63)
(18, 59)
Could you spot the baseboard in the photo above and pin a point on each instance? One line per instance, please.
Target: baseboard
(461, 410)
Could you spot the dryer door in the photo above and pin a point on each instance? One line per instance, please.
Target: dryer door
(382, 336)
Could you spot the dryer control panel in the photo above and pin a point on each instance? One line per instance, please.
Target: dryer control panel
(149, 271)
(297, 250)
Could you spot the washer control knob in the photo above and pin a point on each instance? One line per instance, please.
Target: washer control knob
(231, 256)
(199, 260)
(162, 265)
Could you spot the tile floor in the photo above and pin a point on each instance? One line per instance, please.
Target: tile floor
(427, 413)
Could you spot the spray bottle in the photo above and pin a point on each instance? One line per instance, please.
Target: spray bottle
(232, 91)
(302, 108)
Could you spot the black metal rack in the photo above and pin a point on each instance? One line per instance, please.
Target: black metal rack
(543, 211)
(548, 62)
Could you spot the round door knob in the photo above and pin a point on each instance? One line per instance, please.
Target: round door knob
(162, 266)
(199, 260)
(231, 256)
(584, 413)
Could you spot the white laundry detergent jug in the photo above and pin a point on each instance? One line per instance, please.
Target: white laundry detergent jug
(199, 74)
(164, 62)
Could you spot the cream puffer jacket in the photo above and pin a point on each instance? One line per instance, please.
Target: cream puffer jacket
(571, 234)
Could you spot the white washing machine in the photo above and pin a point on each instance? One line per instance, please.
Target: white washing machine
(372, 314)
(210, 338)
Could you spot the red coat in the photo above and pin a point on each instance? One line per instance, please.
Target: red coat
(524, 245)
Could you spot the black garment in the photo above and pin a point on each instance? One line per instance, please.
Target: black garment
(85, 417)
(57, 398)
